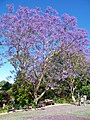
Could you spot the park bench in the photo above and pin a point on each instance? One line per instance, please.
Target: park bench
(48, 102)
(11, 109)
(45, 103)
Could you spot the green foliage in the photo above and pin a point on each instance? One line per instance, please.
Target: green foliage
(86, 91)
(4, 85)
(33, 105)
(22, 91)
(69, 100)
(49, 94)
(9, 106)
(4, 95)
(16, 106)
(3, 110)
(60, 100)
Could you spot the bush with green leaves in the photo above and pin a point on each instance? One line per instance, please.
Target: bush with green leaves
(60, 100)
(86, 91)
(3, 110)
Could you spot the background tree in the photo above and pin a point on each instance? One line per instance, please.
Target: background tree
(69, 70)
(4, 96)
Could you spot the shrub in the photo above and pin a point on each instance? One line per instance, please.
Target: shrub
(33, 105)
(60, 100)
(3, 110)
(86, 91)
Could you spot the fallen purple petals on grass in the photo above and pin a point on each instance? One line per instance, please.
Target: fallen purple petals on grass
(61, 117)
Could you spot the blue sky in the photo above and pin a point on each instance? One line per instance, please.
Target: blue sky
(78, 8)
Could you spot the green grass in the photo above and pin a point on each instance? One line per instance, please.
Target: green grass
(3, 110)
(83, 114)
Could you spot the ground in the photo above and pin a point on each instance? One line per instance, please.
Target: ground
(55, 112)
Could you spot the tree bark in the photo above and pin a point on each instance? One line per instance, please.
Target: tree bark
(73, 98)
(36, 97)
(72, 89)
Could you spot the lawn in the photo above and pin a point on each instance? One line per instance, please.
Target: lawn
(55, 112)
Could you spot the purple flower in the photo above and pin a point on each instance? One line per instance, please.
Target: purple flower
(10, 8)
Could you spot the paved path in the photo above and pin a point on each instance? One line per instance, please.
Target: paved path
(63, 112)
(60, 117)
(55, 112)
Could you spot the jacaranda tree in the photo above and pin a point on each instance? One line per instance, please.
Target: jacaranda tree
(70, 69)
(33, 36)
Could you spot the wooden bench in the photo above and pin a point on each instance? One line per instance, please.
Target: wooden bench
(11, 109)
(48, 102)
(45, 103)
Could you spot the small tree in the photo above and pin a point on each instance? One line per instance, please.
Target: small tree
(86, 91)
(68, 70)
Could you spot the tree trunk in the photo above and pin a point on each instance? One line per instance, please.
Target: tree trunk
(36, 97)
(36, 101)
(72, 88)
(73, 98)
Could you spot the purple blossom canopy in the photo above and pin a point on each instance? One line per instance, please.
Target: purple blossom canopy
(32, 36)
